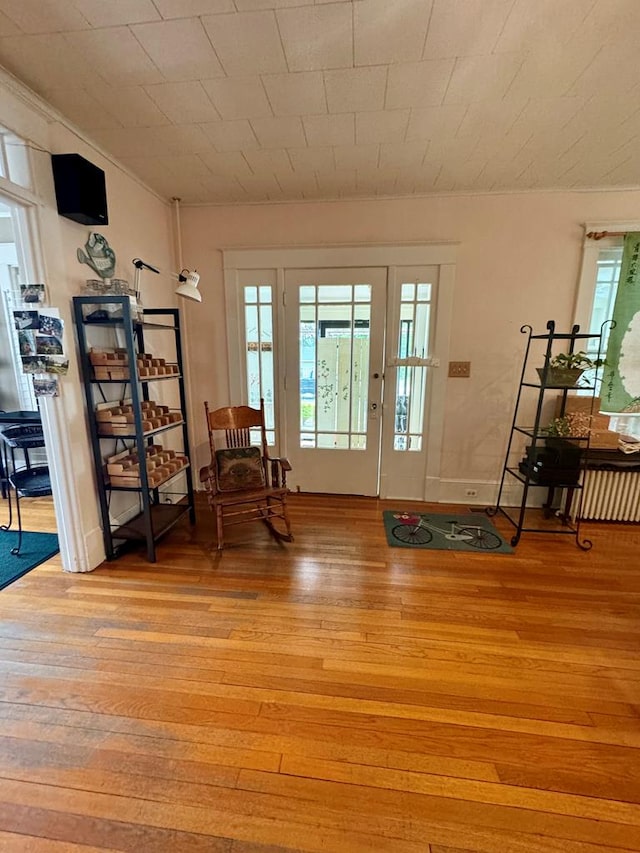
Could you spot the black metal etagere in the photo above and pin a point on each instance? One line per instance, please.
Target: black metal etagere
(539, 436)
(156, 514)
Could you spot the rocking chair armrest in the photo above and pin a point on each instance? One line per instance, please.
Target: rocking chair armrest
(278, 467)
(208, 476)
(282, 462)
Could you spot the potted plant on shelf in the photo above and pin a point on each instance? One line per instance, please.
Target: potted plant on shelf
(565, 369)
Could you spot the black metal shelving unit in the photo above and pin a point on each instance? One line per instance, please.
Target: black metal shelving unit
(154, 518)
(538, 437)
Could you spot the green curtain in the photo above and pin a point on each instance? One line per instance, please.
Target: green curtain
(621, 375)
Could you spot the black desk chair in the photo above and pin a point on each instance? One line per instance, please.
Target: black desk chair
(28, 481)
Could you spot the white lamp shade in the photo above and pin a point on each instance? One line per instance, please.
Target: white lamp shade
(189, 291)
(188, 286)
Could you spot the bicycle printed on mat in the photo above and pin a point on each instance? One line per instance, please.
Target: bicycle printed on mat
(418, 530)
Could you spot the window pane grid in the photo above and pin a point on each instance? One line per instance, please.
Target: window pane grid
(411, 381)
(334, 365)
(258, 312)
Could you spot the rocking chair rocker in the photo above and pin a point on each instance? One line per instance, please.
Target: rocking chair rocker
(242, 482)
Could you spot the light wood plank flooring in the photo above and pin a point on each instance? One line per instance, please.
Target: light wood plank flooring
(333, 694)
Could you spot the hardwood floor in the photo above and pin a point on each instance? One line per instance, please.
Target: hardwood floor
(333, 694)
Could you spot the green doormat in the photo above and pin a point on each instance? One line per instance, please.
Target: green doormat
(443, 532)
(36, 548)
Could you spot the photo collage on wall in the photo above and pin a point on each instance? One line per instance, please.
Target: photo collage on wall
(40, 341)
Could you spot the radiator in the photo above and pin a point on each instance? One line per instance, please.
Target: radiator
(612, 495)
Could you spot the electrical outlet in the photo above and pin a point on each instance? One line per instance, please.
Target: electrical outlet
(471, 493)
(460, 369)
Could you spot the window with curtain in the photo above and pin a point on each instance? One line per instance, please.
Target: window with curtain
(602, 262)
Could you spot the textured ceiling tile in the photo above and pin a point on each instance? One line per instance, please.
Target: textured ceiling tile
(8, 27)
(312, 159)
(279, 132)
(117, 56)
(231, 135)
(192, 8)
(227, 165)
(418, 84)
(482, 78)
(491, 116)
(317, 37)
(356, 89)
(553, 113)
(44, 16)
(338, 183)
(183, 103)
(296, 182)
(435, 121)
(180, 49)
(356, 156)
(250, 5)
(552, 68)
(403, 155)
(82, 108)
(330, 130)
(296, 94)
(465, 27)
(381, 126)
(180, 140)
(615, 69)
(390, 32)
(117, 12)
(276, 160)
(131, 105)
(264, 185)
(123, 143)
(246, 43)
(443, 147)
(531, 22)
(47, 62)
(238, 97)
(418, 180)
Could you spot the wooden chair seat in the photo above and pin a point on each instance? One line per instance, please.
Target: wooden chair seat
(230, 431)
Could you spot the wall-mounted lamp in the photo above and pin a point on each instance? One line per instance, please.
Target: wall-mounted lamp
(188, 280)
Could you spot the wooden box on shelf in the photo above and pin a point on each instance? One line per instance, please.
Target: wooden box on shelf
(123, 469)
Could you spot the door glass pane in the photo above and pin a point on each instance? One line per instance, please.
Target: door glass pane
(307, 293)
(258, 319)
(334, 365)
(411, 380)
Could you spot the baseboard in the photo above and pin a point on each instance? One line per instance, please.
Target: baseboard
(91, 554)
(483, 493)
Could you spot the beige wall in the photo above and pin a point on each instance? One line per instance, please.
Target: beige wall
(518, 262)
(140, 226)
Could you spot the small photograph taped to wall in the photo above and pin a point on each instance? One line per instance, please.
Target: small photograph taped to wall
(45, 364)
(48, 345)
(57, 365)
(26, 320)
(46, 387)
(34, 364)
(27, 342)
(32, 293)
(49, 325)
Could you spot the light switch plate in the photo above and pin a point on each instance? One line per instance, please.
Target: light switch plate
(460, 369)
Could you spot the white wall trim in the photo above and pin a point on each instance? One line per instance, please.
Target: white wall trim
(372, 255)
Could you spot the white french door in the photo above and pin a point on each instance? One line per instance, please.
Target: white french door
(334, 341)
(344, 344)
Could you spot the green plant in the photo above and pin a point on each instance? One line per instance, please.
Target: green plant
(574, 361)
(575, 424)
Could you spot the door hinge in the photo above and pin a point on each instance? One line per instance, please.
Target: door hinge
(284, 297)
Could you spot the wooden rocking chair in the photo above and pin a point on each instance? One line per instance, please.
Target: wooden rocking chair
(242, 482)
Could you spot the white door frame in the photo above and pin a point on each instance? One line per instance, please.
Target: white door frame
(443, 255)
(66, 498)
